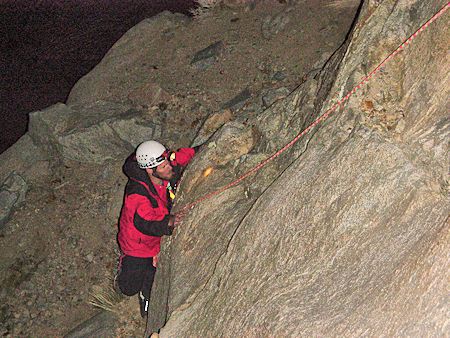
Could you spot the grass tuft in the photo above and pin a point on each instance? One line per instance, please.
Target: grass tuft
(342, 4)
(105, 297)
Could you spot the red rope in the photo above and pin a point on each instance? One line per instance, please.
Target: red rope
(322, 118)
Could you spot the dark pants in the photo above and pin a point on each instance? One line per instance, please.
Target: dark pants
(136, 274)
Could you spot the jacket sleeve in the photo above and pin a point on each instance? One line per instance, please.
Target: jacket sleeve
(151, 221)
(184, 155)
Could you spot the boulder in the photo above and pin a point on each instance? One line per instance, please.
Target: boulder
(127, 67)
(93, 133)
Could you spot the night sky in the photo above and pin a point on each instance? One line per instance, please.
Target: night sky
(47, 45)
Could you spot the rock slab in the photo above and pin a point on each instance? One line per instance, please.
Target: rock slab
(346, 234)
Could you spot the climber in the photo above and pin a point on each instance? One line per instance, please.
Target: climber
(152, 173)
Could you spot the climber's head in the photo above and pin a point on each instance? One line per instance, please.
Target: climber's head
(152, 156)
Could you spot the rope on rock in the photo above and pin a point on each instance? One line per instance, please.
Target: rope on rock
(320, 119)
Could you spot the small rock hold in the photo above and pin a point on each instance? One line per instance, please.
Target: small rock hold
(278, 76)
(238, 101)
(206, 57)
(400, 127)
(90, 258)
(272, 95)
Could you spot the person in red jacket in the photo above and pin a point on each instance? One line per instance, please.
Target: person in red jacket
(152, 173)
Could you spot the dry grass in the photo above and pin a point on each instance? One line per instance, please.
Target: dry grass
(130, 323)
(105, 297)
(343, 3)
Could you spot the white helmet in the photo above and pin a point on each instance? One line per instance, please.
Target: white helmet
(150, 154)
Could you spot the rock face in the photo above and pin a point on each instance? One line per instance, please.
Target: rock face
(345, 234)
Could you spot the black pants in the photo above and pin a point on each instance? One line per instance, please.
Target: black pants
(136, 274)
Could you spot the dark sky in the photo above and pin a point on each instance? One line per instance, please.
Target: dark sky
(47, 45)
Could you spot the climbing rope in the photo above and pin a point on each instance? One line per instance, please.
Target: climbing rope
(322, 118)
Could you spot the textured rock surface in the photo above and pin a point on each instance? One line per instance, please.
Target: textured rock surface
(158, 52)
(204, 58)
(125, 68)
(347, 233)
(344, 234)
(26, 159)
(102, 324)
(211, 125)
(12, 195)
(92, 133)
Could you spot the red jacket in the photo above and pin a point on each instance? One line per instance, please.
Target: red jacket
(145, 212)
